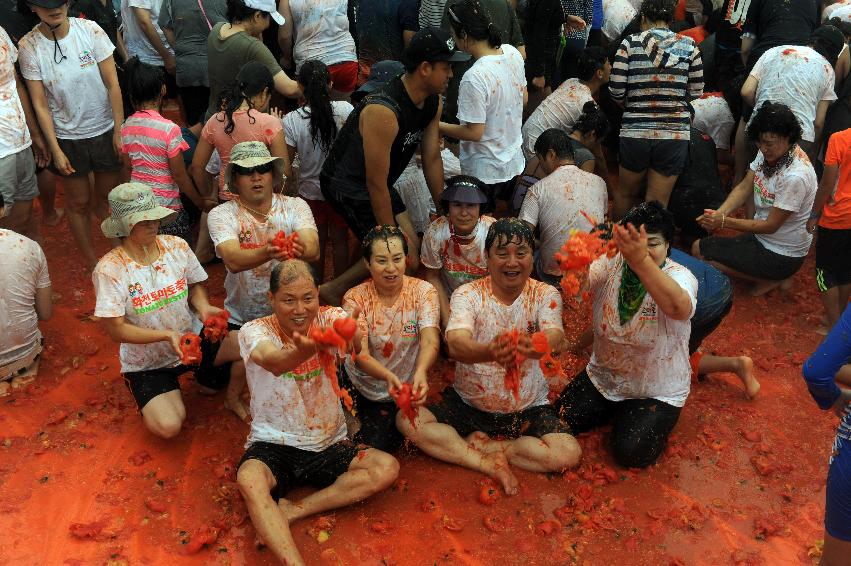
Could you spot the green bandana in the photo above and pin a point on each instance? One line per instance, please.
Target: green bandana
(630, 295)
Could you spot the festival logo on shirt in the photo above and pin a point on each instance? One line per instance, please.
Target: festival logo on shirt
(648, 313)
(246, 240)
(759, 188)
(86, 59)
(155, 300)
(409, 329)
(532, 327)
(134, 289)
(308, 370)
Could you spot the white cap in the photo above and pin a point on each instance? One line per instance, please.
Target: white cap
(266, 6)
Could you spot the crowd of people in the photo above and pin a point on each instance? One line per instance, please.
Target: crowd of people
(415, 166)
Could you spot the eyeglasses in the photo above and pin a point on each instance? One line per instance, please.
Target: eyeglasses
(261, 169)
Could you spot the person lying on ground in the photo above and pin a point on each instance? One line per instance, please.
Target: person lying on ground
(484, 402)
(638, 376)
(298, 429)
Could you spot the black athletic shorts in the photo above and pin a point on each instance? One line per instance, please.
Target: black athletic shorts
(89, 155)
(667, 157)
(377, 419)
(747, 255)
(293, 466)
(833, 258)
(534, 421)
(358, 213)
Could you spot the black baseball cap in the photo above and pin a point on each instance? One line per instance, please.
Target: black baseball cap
(433, 44)
(379, 74)
(49, 4)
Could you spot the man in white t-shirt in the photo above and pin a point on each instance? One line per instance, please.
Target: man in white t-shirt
(19, 131)
(298, 430)
(143, 36)
(25, 298)
(562, 201)
(453, 250)
(499, 385)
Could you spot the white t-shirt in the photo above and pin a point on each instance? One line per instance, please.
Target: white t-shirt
(795, 76)
(793, 189)
(152, 296)
(76, 96)
(416, 307)
(297, 408)
(458, 264)
(712, 116)
(561, 110)
(474, 308)
(555, 205)
(839, 10)
(311, 157)
(413, 188)
(135, 39)
(648, 356)
(14, 134)
(246, 290)
(617, 14)
(451, 164)
(491, 93)
(322, 32)
(23, 270)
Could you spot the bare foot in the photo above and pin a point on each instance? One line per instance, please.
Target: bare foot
(496, 466)
(763, 287)
(484, 443)
(290, 510)
(53, 219)
(744, 369)
(5, 388)
(823, 330)
(236, 406)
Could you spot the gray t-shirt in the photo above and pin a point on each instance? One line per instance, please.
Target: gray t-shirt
(581, 154)
(191, 27)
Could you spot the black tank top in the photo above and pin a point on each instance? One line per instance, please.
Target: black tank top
(345, 166)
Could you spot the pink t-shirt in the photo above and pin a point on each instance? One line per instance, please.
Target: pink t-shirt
(151, 140)
(248, 126)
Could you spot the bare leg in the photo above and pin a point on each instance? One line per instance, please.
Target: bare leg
(50, 215)
(204, 246)
(78, 196)
(18, 219)
(442, 442)
(835, 551)
(626, 195)
(164, 414)
(742, 366)
(256, 481)
(843, 376)
(551, 453)
(104, 182)
(834, 300)
(659, 187)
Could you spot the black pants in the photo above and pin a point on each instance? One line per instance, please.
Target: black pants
(640, 427)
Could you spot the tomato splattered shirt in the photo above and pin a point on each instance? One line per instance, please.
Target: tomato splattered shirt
(458, 264)
(416, 307)
(648, 356)
(474, 308)
(152, 296)
(246, 290)
(297, 408)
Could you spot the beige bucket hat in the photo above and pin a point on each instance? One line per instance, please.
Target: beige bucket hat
(129, 204)
(251, 154)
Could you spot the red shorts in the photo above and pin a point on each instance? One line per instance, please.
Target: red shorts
(344, 76)
(324, 215)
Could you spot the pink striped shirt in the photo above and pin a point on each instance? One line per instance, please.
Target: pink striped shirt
(151, 140)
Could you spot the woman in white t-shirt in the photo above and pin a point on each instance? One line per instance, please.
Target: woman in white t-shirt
(781, 180)
(148, 297)
(399, 321)
(491, 98)
(639, 375)
(453, 250)
(71, 78)
(309, 132)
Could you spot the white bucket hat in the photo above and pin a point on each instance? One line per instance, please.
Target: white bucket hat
(251, 154)
(129, 204)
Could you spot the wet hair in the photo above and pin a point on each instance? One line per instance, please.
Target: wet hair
(821, 43)
(314, 77)
(592, 120)
(470, 18)
(773, 118)
(253, 78)
(288, 271)
(591, 60)
(237, 11)
(507, 231)
(556, 140)
(142, 82)
(385, 233)
(658, 10)
(655, 218)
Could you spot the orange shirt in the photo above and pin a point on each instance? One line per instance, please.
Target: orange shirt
(836, 214)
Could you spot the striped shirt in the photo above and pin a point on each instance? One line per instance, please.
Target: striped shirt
(151, 140)
(655, 74)
(431, 13)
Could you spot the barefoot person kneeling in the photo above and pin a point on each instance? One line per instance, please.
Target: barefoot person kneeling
(478, 405)
(147, 289)
(298, 430)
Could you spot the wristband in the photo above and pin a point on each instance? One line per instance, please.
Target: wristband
(723, 220)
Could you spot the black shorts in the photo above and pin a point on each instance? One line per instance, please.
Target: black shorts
(833, 263)
(747, 255)
(357, 213)
(666, 157)
(293, 466)
(377, 419)
(90, 155)
(534, 421)
(700, 330)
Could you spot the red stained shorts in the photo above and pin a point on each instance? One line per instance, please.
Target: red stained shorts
(344, 76)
